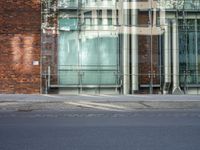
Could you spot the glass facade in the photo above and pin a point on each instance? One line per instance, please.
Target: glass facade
(127, 47)
(90, 60)
(188, 51)
(88, 45)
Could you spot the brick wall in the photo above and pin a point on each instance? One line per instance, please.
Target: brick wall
(20, 46)
(145, 54)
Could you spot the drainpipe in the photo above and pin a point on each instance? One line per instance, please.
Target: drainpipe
(134, 49)
(175, 56)
(125, 53)
(167, 59)
(49, 77)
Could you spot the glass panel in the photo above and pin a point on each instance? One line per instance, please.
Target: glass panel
(100, 21)
(191, 58)
(99, 60)
(89, 60)
(179, 4)
(91, 77)
(94, 62)
(67, 3)
(108, 77)
(88, 18)
(89, 52)
(109, 21)
(99, 16)
(68, 57)
(108, 50)
(198, 46)
(68, 48)
(68, 77)
(187, 53)
(108, 59)
(88, 14)
(182, 56)
(67, 24)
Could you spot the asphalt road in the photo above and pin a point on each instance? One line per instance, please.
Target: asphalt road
(103, 130)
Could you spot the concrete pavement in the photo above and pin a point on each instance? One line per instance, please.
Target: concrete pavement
(87, 97)
(26, 103)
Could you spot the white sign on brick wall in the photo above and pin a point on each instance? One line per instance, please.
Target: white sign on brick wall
(35, 63)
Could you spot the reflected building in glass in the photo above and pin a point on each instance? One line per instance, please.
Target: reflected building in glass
(124, 47)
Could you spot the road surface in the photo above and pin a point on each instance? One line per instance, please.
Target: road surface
(100, 130)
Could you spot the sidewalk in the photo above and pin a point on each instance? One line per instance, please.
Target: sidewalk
(48, 97)
(25, 102)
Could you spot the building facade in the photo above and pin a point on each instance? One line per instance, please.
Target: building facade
(105, 47)
(20, 37)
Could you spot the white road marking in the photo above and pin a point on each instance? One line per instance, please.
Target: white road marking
(101, 106)
(87, 95)
(8, 103)
(104, 105)
(53, 96)
(104, 95)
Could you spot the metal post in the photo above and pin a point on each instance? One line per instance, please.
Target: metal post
(196, 53)
(49, 77)
(167, 59)
(151, 47)
(125, 53)
(175, 56)
(134, 49)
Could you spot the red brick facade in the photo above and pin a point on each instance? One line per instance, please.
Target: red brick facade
(148, 59)
(20, 46)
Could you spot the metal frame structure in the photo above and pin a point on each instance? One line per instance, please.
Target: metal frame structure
(163, 25)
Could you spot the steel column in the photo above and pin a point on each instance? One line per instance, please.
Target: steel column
(167, 58)
(175, 56)
(134, 50)
(126, 52)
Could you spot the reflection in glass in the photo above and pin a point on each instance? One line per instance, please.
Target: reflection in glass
(187, 52)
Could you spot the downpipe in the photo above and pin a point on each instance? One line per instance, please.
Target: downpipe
(167, 59)
(175, 55)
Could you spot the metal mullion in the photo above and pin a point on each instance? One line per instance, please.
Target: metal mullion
(196, 47)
